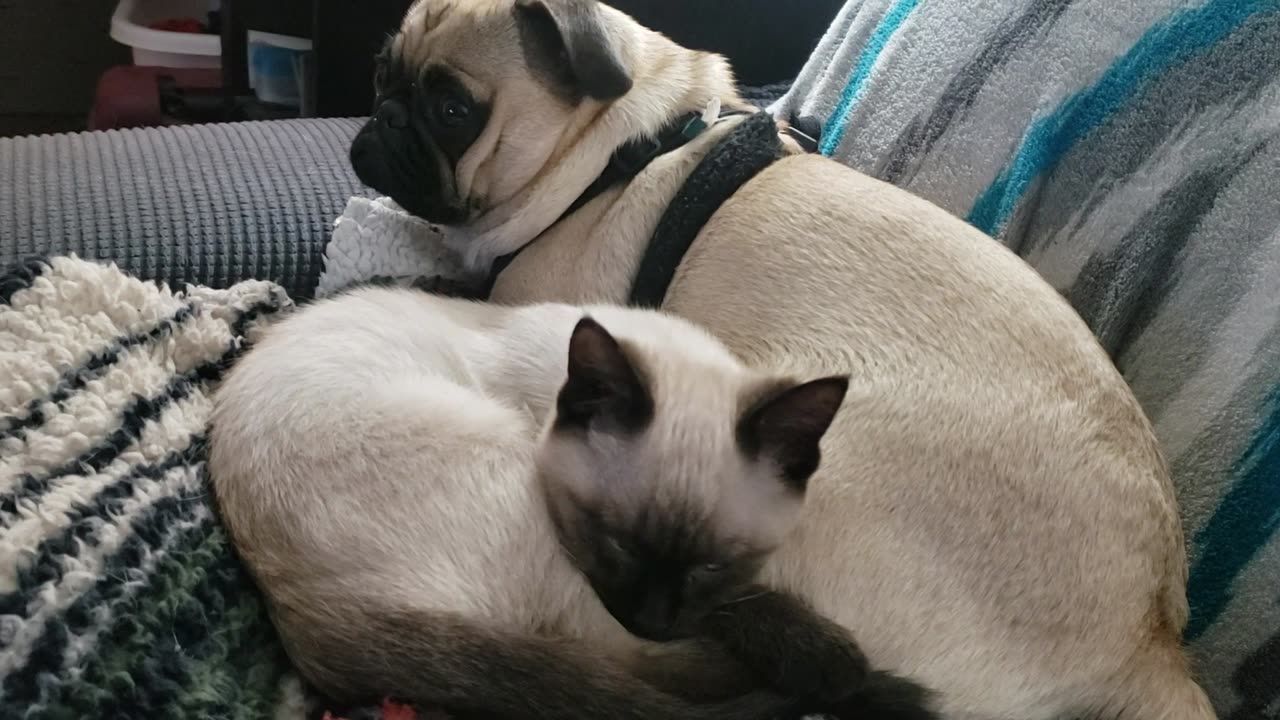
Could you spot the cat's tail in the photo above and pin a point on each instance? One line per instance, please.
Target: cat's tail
(441, 660)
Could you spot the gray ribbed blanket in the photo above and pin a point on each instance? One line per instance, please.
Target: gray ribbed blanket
(208, 204)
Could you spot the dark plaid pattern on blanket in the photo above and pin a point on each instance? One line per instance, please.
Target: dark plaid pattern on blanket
(120, 595)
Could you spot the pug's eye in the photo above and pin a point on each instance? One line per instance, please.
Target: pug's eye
(452, 111)
(713, 568)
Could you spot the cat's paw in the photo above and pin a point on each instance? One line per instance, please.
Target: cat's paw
(793, 649)
(449, 287)
(829, 669)
(884, 696)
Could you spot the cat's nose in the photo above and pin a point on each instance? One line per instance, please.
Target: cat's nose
(655, 617)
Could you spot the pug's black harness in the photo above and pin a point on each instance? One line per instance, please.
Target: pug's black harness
(749, 148)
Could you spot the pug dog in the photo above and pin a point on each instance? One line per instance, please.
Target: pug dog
(992, 517)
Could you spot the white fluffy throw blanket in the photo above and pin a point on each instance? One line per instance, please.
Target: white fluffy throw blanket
(120, 594)
(376, 239)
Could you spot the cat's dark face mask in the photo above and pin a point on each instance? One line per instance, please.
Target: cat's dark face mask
(659, 578)
(661, 562)
(422, 124)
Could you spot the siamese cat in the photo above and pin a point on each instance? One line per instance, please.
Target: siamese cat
(450, 502)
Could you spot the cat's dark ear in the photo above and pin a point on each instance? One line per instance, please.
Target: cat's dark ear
(567, 43)
(603, 389)
(786, 424)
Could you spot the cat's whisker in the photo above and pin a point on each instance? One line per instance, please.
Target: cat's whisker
(745, 598)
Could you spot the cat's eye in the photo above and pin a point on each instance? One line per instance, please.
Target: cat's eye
(616, 546)
(706, 573)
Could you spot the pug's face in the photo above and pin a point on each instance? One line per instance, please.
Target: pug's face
(475, 96)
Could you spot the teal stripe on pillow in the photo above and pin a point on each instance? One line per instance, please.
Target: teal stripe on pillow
(1243, 523)
(1175, 40)
(834, 131)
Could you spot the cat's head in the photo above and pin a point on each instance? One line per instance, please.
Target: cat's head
(671, 472)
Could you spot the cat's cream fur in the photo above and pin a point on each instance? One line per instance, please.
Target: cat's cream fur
(388, 452)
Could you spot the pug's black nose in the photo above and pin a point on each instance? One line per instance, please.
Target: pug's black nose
(366, 158)
(393, 114)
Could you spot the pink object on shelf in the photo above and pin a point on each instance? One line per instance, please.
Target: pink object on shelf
(129, 95)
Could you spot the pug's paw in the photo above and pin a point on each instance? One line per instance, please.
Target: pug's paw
(449, 287)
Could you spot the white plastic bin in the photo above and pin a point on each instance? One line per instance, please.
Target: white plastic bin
(157, 48)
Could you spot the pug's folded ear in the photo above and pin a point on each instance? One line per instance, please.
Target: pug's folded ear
(567, 42)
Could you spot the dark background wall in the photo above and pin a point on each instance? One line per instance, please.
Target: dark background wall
(51, 55)
(766, 40)
(52, 52)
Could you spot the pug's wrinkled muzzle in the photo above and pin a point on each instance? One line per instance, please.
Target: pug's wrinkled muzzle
(396, 157)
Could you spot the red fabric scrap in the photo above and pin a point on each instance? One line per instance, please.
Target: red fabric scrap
(179, 25)
(390, 711)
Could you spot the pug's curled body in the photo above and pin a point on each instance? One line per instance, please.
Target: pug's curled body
(431, 493)
(995, 521)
